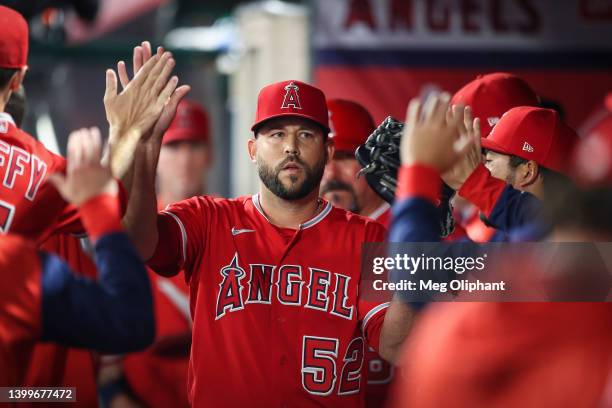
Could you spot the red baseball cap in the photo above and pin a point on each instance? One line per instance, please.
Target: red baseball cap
(189, 124)
(492, 95)
(536, 134)
(291, 98)
(350, 123)
(13, 39)
(592, 164)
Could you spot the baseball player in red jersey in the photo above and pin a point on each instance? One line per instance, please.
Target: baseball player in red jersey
(24, 162)
(277, 317)
(40, 297)
(29, 206)
(351, 124)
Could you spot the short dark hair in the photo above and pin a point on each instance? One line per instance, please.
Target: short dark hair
(547, 174)
(5, 76)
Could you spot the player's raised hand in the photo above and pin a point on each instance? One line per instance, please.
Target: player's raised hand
(432, 139)
(85, 176)
(142, 54)
(457, 174)
(138, 106)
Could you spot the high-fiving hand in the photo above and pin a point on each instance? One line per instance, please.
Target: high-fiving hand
(145, 106)
(85, 176)
(430, 139)
(142, 54)
(456, 175)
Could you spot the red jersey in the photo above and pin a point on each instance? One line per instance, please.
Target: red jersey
(54, 365)
(382, 214)
(278, 320)
(28, 205)
(20, 307)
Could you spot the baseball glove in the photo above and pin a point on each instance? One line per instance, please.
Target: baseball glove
(380, 158)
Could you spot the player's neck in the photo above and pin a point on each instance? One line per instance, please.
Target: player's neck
(288, 214)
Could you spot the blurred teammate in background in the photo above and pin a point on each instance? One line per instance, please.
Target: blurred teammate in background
(351, 124)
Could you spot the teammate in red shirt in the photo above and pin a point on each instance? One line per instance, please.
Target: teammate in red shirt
(29, 206)
(41, 299)
(351, 124)
(278, 320)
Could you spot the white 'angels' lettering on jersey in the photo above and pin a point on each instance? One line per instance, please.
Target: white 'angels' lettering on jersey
(284, 284)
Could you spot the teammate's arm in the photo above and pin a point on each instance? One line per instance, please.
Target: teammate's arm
(114, 314)
(136, 156)
(431, 145)
(505, 207)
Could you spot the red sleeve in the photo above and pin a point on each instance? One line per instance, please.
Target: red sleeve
(418, 181)
(100, 216)
(370, 313)
(482, 189)
(182, 235)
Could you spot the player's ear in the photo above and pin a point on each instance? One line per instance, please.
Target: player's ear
(529, 173)
(17, 79)
(252, 147)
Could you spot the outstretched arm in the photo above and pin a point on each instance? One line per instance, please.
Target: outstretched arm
(431, 144)
(114, 314)
(135, 153)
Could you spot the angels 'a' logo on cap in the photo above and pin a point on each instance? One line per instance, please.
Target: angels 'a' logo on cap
(292, 98)
(528, 148)
(492, 121)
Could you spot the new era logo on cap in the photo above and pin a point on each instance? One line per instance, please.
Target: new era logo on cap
(292, 98)
(492, 121)
(527, 147)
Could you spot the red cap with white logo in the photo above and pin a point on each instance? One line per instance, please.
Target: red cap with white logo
(351, 124)
(291, 98)
(536, 134)
(13, 39)
(492, 95)
(189, 124)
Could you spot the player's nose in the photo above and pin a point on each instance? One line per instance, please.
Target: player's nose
(291, 145)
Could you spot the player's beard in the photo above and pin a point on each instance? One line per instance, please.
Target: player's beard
(312, 178)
